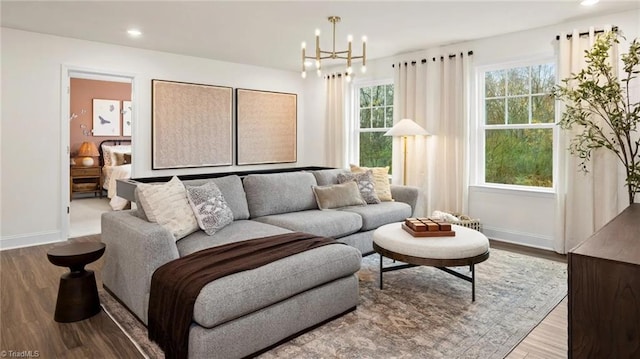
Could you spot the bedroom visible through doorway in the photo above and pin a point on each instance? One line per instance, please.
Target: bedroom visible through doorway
(100, 147)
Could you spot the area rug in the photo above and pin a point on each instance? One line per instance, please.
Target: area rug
(421, 313)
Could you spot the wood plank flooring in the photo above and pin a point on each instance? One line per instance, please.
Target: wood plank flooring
(29, 287)
(28, 292)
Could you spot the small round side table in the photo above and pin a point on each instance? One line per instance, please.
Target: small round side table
(77, 293)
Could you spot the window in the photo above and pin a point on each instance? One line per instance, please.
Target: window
(374, 108)
(517, 121)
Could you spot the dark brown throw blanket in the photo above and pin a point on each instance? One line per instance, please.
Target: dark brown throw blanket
(176, 285)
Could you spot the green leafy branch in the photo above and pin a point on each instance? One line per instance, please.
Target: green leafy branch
(599, 105)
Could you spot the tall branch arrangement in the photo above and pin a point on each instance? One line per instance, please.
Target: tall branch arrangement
(599, 104)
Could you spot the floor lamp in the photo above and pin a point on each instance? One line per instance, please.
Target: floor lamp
(405, 128)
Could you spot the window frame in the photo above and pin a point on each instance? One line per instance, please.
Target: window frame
(482, 127)
(355, 130)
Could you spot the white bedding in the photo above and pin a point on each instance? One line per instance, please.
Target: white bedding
(111, 174)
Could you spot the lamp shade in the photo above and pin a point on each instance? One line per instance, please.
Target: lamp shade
(88, 149)
(406, 127)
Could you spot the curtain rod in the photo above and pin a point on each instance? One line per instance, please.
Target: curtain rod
(406, 63)
(335, 75)
(614, 29)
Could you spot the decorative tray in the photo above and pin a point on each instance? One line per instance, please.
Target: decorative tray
(427, 227)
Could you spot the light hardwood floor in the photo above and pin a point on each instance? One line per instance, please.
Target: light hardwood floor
(29, 286)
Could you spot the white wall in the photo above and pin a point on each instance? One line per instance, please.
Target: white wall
(515, 216)
(31, 144)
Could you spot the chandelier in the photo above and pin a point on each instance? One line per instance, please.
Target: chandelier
(333, 54)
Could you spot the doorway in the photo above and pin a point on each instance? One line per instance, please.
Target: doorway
(97, 110)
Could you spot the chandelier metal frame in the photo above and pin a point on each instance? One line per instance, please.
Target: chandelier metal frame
(333, 54)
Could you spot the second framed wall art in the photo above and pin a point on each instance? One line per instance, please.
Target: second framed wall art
(266, 130)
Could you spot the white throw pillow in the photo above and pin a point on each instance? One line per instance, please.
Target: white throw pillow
(167, 205)
(209, 206)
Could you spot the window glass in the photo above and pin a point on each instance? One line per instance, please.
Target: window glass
(375, 111)
(517, 130)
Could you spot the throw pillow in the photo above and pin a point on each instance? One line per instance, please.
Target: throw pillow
(380, 179)
(365, 185)
(338, 195)
(122, 158)
(209, 206)
(167, 205)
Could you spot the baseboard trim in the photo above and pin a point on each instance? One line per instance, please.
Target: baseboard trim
(519, 238)
(28, 240)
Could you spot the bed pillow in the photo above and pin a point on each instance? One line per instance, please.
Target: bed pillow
(380, 179)
(365, 185)
(209, 206)
(338, 195)
(122, 158)
(167, 205)
(109, 153)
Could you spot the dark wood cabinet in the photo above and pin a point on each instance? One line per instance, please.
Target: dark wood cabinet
(604, 291)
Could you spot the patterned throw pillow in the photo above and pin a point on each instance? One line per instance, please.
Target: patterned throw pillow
(167, 205)
(209, 206)
(380, 179)
(365, 185)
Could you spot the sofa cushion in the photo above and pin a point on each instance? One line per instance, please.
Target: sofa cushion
(232, 191)
(276, 193)
(338, 195)
(234, 232)
(376, 215)
(233, 296)
(209, 206)
(167, 205)
(328, 177)
(321, 223)
(365, 185)
(380, 178)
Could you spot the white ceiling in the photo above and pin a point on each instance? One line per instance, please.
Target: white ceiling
(269, 33)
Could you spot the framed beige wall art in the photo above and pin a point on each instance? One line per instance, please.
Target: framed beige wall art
(266, 127)
(191, 125)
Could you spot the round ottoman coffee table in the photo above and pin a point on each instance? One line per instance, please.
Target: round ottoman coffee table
(77, 293)
(467, 248)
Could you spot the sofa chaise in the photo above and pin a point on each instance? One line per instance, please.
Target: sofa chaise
(248, 312)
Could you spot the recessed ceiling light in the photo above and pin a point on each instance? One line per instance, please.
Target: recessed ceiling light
(589, 2)
(134, 32)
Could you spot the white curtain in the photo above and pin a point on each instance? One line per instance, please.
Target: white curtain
(435, 95)
(335, 137)
(585, 201)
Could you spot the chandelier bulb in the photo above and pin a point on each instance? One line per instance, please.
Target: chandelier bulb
(348, 78)
(318, 64)
(304, 74)
(317, 32)
(304, 45)
(364, 39)
(349, 70)
(363, 69)
(350, 38)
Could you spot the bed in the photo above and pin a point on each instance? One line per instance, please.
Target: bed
(115, 160)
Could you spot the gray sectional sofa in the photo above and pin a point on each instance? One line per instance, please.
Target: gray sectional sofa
(246, 312)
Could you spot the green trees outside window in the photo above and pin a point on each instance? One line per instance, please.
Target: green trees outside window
(519, 115)
(375, 109)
